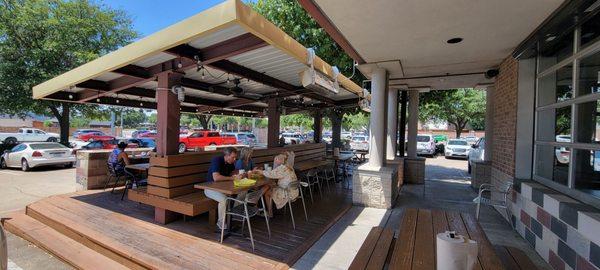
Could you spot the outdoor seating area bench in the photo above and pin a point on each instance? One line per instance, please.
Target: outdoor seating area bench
(191, 204)
(415, 246)
(514, 258)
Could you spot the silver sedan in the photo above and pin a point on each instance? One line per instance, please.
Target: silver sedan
(29, 155)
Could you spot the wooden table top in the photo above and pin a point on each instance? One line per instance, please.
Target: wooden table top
(310, 164)
(342, 156)
(418, 231)
(227, 187)
(139, 166)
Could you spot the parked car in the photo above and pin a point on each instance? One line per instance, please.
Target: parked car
(137, 133)
(471, 139)
(29, 155)
(149, 134)
(346, 135)
(245, 138)
(457, 148)
(28, 135)
(95, 136)
(426, 145)
(293, 138)
(562, 153)
(204, 138)
(106, 144)
(327, 137)
(440, 138)
(476, 153)
(79, 132)
(360, 143)
(143, 142)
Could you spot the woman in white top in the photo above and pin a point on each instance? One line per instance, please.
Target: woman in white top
(284, 175)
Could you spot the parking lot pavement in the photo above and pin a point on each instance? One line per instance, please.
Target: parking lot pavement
(20, 189)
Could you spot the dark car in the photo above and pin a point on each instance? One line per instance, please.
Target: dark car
(143, 142)
(80, 132)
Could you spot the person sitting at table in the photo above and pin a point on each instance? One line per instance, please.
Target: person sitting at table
(285, 175)
(118, 159)
(245, 161)
(221, 168)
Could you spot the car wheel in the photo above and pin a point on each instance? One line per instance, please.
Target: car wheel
(212, 143)
(182, 148)
(3, 164)
(52, 139)
(24, 165)
(10, 141)
(69, 165)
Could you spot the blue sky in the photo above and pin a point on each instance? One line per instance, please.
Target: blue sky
(150, 16)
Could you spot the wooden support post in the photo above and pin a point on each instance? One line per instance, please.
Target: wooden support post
(336, 128)
(164, 216)
(402, 123)
(274, 121)
(168, 113)
(317, 126)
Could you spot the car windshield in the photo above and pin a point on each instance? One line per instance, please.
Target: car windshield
(457, 142)
(359, 139)
(421, 138)
(44, 146)
(147, 143)
(251, 136)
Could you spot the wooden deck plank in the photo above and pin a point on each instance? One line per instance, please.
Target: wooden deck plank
(379, 255)
(487, 256)
(507, 260)
(366, 249)
(521, 258)
(61, 246)
(402, 255)
(440, 225)
(423, 257)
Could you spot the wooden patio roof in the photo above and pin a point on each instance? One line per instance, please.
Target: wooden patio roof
(226, 44)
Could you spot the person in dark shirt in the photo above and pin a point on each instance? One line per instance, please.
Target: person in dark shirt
(221, 168)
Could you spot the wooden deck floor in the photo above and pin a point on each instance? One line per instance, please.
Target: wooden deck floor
(125, 231)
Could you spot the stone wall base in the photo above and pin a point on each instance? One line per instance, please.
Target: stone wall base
(375, 187)
(414, 170)
(481, 173)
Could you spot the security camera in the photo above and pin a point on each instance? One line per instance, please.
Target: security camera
(491, 73)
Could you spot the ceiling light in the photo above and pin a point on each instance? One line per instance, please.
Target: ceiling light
(98, 100)
(117, 101)
(550, 38)
(454, 40)
(70, 96)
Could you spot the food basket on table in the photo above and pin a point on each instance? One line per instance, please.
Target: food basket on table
(244, 182)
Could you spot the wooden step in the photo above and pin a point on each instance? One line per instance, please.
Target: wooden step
(139, 244)
(61, 246)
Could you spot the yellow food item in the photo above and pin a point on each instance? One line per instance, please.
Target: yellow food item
(244, 182)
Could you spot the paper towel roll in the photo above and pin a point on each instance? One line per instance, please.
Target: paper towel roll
(455, 252)
(336, 152)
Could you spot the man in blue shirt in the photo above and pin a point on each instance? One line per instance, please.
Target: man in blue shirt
(221, 168)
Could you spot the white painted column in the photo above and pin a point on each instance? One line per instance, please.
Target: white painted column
(392, 123)
(378, 118)
(413, 123)
(489, 122)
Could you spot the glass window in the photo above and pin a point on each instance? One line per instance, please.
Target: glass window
(42, 146)
(590, 31)
(588, 122)
(554, 125)
(589, 74)
(554, 49)
(587, 171)
(457, 142)
(556, 86)
(421, 138)
(553, 163)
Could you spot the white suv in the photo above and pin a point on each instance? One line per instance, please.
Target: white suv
(477, 153)
(425, 145)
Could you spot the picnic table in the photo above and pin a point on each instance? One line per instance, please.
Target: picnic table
(415, 247)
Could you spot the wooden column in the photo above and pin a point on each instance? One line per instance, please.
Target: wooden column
(167, 127)
(317, 126)
(274, 121)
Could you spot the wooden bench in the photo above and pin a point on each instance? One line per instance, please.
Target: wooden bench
(514, 258)
(171, 179)
(374, 251)
(415, 246)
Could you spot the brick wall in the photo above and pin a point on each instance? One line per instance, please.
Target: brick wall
(505, 117)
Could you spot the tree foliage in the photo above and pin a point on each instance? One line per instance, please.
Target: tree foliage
(458, 107)
(40, 39)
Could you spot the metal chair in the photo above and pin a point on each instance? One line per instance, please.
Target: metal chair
(313, 179)
(298, 185)
(245, 210)
(117, 175)
(504, 190)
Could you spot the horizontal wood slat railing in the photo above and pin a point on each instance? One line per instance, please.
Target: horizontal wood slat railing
(174, 176)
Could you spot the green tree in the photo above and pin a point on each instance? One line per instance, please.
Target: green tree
(132, 118)
(357, 120)
(458, 107)
(298, 120)
(152, 118)
(40, 39)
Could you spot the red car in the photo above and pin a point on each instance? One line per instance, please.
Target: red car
(149, 135)
(95, 136)
(204, 138)
(106, 144)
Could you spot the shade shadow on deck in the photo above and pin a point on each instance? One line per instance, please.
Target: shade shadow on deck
(286, 245)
